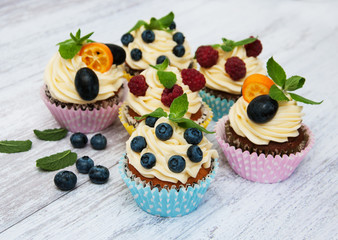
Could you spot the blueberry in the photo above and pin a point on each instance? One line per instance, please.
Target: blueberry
(65, 180)
(179, 50)
(119, 55)
(150, 121)
(126, 39)
(164, 131)
(148, 36)
(138, 144)
(84, 164)
(262, 109)
(179, 38)
(193, 136)
(195, 153)
(98, 141)
(87, 84)
(99, 174)
(161, 59)
(136, 54)
(176, 164)
(78, 140)
(148, 160)
(172, 25)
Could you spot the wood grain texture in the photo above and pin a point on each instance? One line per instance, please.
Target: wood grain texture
(301, 35)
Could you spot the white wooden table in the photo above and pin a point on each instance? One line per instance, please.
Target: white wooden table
(302, 37)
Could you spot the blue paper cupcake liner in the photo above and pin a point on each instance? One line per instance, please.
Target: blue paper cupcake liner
(219, 107)
(166, 203)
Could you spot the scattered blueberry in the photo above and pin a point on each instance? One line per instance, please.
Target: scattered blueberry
(119, 55)
(179, 50)
(148, 36)
(164, 131)
(172, 25)
(99, 174)
(87, 84)
(150, 121)
(176, 164)
(78, 140)
(195, 153)
(98, 141)
(138, 144)
(84, 164)
(65, 180)
(161, 59)
(148, 160)
(179, 38)
(136, 54)
(126, 39)
(262, 109)
(193, 136)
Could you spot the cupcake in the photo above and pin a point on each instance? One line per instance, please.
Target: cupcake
(263, 137)
(225, 68)
(153, 41)
(84, 84)
(168, 167)
(157, 87)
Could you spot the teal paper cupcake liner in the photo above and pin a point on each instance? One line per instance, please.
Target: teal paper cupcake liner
(166, 203)
(219, 107)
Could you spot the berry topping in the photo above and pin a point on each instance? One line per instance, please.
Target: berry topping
(150, 121)
(65, 180)
(87, 84)
(206, 56)
(179, 50)
(138, 85)
(172, 25)
(138, 144)
(262, 109)
(97, 56)
(98, 141)
(164, 131)
(136, 54)
(126, 39)
(255, 85)
(193, 78)
(99, 174)
(119, 55)
(148, 36)
(161, 59)
(235, 67)
(168, 95)
(193, 136)
(84, 164)
(179, 38)
(253, 49)
(176, 164)
(78, 140)
(148, 160)
(195, 153)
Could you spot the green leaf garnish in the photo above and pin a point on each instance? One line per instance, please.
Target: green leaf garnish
(188, 123)
(138, 25)
(303, 99)
(15, 146)
(159, 112)
(57, 161)
(229, 45)
(277, 94)
(161, 66)
(293, 83)
(179, 107)
(276, 72)
(51, 134)
(168, 79)
(155, 24)
(167, 20)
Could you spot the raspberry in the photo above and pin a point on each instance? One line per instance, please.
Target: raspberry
(235, 67)
(168, 95)
(193, 78)
(206, 56)
(253, 49)
(137, 85)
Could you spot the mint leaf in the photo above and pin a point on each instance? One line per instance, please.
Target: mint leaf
(168, 79)
(161, 66)
(215, 45)
(15, 146)
(51, 134)
(78, 33)
(277, 94)
(293, 83)
(154, 24)
(179, 107)
(245, 41)
(159, 112)
(276, 72)
(84, 38)
(188, 123)
(303, 99)
(138, 25)
(167, 20)
(57, 161)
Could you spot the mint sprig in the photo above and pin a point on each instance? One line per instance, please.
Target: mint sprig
(57, 161)
(168, 79)
(15, 146)
(229, 45)
(159, 112)
(155, 24)
(70, 47)
(51, 134)
(278, 75)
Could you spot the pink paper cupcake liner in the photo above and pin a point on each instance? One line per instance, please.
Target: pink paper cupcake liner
(260, 168)
(85, 121)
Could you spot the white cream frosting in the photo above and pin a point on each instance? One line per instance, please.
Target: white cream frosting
(283, 125)
(162, 45)
(216, 77)
(163, 150)
(60, 78)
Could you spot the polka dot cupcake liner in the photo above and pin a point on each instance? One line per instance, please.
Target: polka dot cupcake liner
(166, 203)
(260, 168)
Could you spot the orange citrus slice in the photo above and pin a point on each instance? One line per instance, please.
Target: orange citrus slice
(255, 85)
(97, 56)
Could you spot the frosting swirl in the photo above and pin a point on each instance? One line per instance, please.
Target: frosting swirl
(60, 77)
(163, 150)
(216, 77)
(284, 124)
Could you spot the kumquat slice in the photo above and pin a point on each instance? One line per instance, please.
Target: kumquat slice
(255, 85)
(97, 56)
